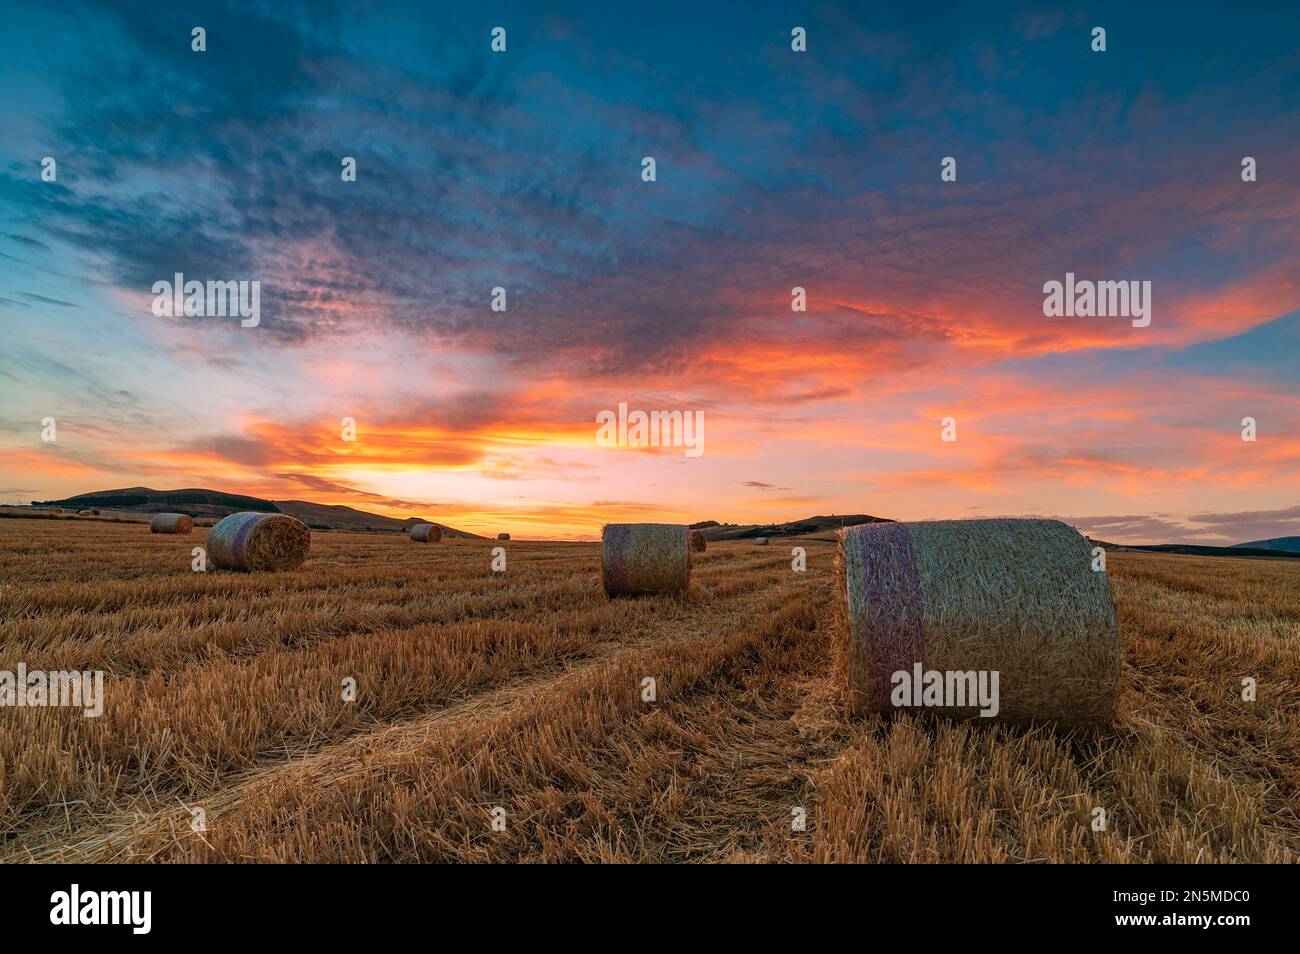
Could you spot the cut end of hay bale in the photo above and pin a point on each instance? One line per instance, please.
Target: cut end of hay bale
(171, 523)
(503, 536)
(698, 543)
(426, 533)
(644, 558)
(954, 597)
(259, 541)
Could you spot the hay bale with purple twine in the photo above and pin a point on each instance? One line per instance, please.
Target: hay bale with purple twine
(1016, 597)
(426, 533)
(171, 523)
(644, 558)
(259, 541)
(698, 543)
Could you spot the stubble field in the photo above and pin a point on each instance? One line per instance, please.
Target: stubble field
(517, 697)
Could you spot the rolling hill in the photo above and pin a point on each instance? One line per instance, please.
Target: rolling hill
(201, 503)
(809, 525)
(1194, 549)
(207, 506)
(1283, 544)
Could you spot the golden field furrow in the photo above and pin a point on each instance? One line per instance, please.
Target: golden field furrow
(522, 692)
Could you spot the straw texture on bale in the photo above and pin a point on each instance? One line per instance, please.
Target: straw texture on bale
(426, 533)
(171, 523)
(259, 541)
(1018, 597)
(643, 558)
(698, 543)
(760, 541)
(503, 536)
(87, 513)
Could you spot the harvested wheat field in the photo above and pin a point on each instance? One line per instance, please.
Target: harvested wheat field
(523, 691)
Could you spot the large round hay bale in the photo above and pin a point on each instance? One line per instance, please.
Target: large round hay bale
(426, 533)
(962, 598)
(760, 541)
(641, 558)
(503, 536)
(87, 513)
(259, 541)
(698, 543)
(171, 523)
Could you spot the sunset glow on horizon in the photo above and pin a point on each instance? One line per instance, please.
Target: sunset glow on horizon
(774, 171)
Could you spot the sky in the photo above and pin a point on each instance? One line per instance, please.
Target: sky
(773, 169)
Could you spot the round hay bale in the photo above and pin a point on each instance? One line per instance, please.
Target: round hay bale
(426, 533)
(503, 536)
(171, 523)
(87, 513)
(259, 541)
(1015, 597)
(698, 543)
(642, 558)
(760, 541)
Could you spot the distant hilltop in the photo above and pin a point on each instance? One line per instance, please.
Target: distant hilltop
(1256, 549)
(209, 506)
(794, 528)
(214, 504)
(1285, 544)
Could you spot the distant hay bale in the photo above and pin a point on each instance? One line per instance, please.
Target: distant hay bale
(1015, 597)
(426, 533)
(643, 558)
(56, 510)
(503, 536)
(171, 523)
(698, 543)
(760, 541)
(259, 541)
(87, 513)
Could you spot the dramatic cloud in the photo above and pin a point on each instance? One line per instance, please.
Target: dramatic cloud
(522, 171)
(1220, 529)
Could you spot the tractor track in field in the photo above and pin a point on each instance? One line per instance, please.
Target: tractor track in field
(110, 837)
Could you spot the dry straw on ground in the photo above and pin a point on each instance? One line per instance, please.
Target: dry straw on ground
(482, 689)
(503, 536)
(698, 543)
(426, 533)
(642, 558)
(1018, 597)
(259, 541)
(171, 523)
